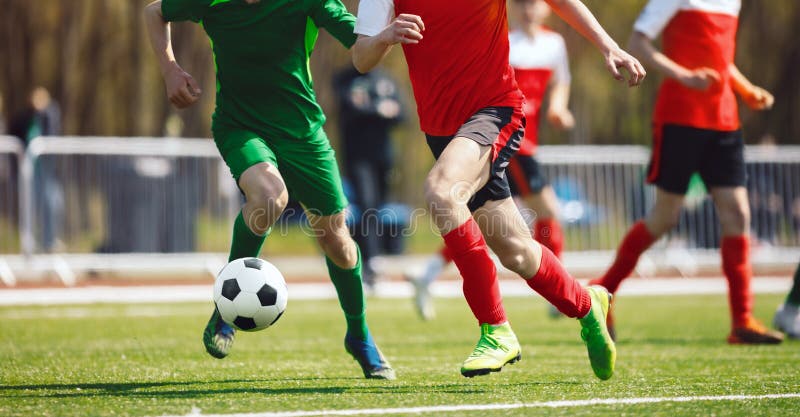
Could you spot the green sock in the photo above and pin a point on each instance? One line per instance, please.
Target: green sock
(351, 296)
(794, 294)
(245, 243)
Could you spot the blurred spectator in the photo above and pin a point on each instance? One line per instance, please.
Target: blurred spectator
(43, 118)
(368, 107)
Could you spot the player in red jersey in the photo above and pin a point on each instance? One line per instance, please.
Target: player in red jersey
(696, 129)
(470, 109)
(538, 56)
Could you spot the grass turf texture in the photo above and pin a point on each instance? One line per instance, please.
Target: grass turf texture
(147, 360)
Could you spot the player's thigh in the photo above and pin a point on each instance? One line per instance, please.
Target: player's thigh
(311, 173)
(460, 169)
(498, 132)
(676, 155)
(251, 161)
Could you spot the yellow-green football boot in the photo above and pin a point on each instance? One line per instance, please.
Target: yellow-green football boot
(594, 332)
(497, 347)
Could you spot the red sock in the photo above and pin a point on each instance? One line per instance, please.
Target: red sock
(471, 255)
(736, 266)
(555, 284)
(548, 233)
(445, 254)
(633, 245)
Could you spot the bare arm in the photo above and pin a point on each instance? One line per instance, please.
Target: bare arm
(754, 96)
(368, 51)
(577, 15)
(698, 78)
(558, 113)
(182, 90)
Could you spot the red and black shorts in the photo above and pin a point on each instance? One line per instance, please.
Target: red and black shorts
(525, 176)
(499, 127)
(680, 151)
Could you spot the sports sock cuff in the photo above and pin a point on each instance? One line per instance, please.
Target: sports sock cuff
(584, 303)
(735, 249)
(557, 286)
(640, 237)
(337, 269)
(447, 257)
(463, 238)
(244, 242)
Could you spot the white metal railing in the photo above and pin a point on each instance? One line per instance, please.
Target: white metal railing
(11, 152)
(602, 191)
(142, 179)
(79, 198)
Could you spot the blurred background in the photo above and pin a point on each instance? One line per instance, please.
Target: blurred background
(99, 79)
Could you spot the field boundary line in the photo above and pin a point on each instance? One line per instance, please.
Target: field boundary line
(392, 289)
(490, 407)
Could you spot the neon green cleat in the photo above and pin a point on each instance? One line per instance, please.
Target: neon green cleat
(497, 347)
(594, 332)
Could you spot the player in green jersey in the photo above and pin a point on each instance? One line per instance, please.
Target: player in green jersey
(268, 128)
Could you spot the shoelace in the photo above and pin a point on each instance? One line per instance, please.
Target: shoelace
(487, 343)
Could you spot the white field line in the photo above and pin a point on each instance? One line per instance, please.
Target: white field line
(490, 407)
(315, 291)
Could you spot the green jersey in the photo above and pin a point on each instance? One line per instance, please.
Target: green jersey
(261, 52)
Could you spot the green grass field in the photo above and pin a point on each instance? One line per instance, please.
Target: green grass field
(147, 360)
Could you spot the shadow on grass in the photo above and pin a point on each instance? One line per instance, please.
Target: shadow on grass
(197, 389)
(682, 341)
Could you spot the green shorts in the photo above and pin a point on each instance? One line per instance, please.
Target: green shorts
(308, 166)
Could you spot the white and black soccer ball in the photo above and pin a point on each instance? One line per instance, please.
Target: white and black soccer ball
(250, 294)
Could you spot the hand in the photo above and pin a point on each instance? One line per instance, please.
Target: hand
(616, 59)
(561, 119)
(758, 99)
(182, 89)
(405, 28)
(700, 78)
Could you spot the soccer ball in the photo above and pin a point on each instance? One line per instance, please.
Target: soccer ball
(250, 294)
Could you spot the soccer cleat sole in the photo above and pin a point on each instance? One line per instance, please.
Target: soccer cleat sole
(486, 371)
(754, 338)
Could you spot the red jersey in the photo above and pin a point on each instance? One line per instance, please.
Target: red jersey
(537, 62)
(461, 64)
(696, 33)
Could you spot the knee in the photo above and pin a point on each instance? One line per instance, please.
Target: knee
(268, 198)
(443, 194)
(436, 193)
